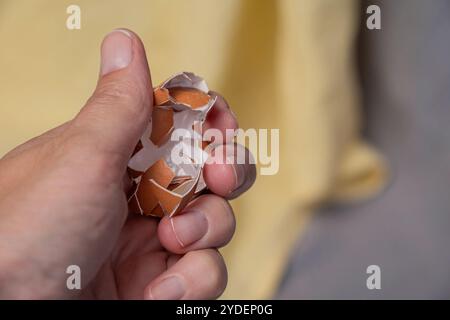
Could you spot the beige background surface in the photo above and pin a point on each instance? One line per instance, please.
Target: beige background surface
(281, 64)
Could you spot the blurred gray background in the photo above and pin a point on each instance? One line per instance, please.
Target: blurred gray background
(405, 76)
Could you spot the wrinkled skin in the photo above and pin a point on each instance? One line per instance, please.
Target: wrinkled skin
(63, 202)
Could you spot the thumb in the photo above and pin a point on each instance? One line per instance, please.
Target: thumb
(117, 113)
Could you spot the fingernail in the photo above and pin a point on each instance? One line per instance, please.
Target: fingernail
(168, 289)
(116, 52)
(189, 227)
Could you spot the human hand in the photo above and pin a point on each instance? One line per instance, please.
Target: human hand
(63, 202)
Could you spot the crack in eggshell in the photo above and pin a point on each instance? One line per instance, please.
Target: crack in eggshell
(164, 187)
(173, 201)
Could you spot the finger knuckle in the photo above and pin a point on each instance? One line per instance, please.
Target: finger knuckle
(95, 164)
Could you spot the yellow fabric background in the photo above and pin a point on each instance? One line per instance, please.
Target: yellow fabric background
(284, 64)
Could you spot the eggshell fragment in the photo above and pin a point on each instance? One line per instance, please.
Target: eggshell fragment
(162, 125)
(161, 96)
(180, 179)
(189, 96)
(173, 201)
(146, 200)
(164, 186)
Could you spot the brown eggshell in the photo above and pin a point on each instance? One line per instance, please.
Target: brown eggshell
(160, 96)
(158, 191)
(159, 172)
(189, 96)
(180, 179)
(157, 212)
(173, 201)
(162, 125)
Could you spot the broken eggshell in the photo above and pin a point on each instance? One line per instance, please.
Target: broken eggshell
(163, 186)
